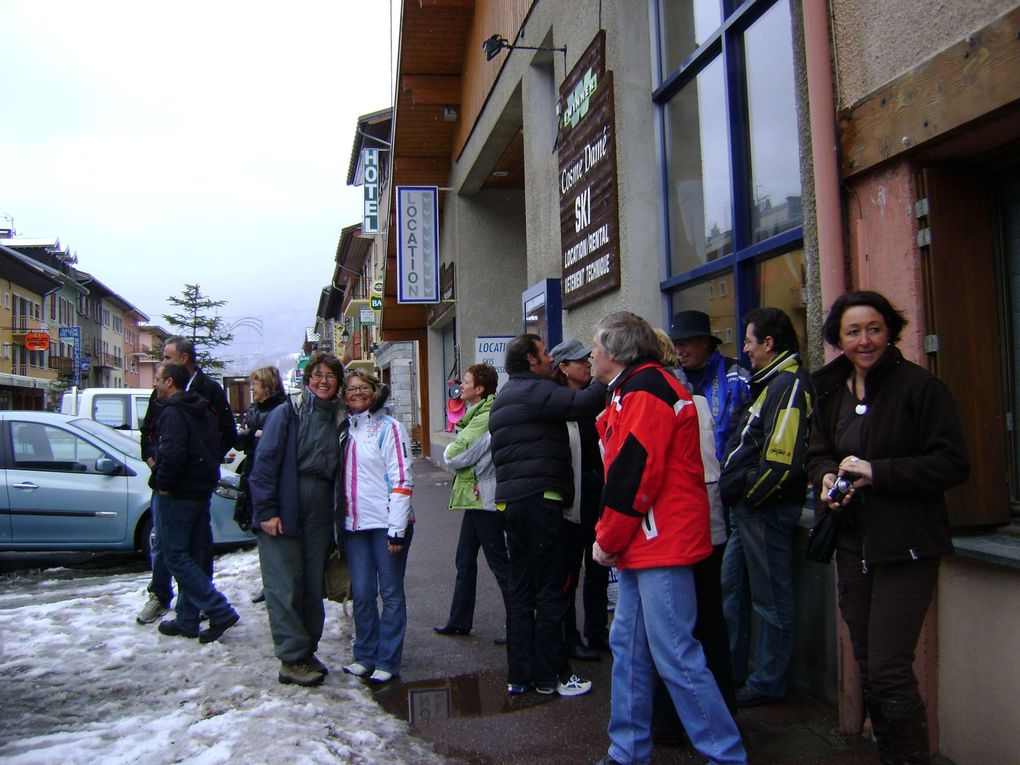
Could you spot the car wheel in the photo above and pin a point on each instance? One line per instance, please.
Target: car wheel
(143, 538)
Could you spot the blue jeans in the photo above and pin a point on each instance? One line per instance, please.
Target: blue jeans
(162, 583)
(655, 614)
(186, 544)
(378, 639)
(757, 572)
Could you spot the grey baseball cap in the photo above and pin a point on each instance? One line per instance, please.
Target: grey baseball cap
(569, 350)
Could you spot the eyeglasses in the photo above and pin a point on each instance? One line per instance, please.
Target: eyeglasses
(319, 377)
(360, 389)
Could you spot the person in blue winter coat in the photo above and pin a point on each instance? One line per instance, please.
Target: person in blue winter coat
(292, 487)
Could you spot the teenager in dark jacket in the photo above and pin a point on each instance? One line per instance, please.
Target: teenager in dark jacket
(534, 481)
(185, 473)
(891, 428)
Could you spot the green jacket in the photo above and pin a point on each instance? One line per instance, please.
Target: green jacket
(474, 482)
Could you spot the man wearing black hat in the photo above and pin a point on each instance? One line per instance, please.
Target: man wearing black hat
(720, 379)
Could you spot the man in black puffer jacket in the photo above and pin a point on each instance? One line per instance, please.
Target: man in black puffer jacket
(534, 482)
(187, 467)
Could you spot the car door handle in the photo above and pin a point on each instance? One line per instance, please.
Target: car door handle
(25, 485)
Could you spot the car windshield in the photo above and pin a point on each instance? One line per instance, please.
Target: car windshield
(114, 438)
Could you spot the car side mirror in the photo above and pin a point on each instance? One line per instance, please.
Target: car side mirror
(107, 466)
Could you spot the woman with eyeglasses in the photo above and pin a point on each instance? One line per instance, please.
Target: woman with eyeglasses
(293, 492)
(374, 508)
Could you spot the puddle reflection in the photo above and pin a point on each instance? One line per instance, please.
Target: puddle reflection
(476, 695)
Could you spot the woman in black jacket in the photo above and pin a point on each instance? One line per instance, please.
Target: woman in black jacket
(891, 429)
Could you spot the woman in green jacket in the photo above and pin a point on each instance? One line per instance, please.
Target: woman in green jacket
(474, 492)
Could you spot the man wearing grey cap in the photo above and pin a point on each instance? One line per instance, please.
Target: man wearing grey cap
(572, 368)
(720, 379)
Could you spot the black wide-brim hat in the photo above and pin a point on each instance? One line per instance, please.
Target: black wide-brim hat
(688, 324)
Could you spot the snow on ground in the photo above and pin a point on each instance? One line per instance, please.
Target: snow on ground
(81, 682)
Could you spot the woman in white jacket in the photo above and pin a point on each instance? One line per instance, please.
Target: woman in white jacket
(378, 523)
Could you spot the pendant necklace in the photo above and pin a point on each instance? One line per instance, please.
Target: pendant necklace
(861, 407)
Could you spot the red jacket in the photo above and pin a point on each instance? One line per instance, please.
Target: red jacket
(655, 506)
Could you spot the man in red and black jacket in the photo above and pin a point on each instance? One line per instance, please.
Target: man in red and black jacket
(654, 528)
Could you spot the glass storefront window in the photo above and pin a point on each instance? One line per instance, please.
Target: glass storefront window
(775, 166)
(716, 298)
(686, 24)
(700, 195)
(780, 283)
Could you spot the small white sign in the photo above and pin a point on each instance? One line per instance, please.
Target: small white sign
(367, 316)
(491, 350)
(418, 244)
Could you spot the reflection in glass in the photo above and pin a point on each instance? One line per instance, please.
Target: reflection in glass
(714, 296)
(700, 219)
(686, 24)
(779, 282)
(534, 318)
(775, 161)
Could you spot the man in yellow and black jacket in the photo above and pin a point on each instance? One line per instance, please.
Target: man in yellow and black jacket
(763, 481)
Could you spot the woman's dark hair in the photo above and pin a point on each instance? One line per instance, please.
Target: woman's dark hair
(327, 359)
(517, 353)
(485, 377)
(774, 323)
(894, 320)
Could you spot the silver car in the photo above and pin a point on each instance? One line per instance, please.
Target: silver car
(71, 483)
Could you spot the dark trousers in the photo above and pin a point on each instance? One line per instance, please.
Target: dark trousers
(161, 584)
(884, 609)
(709, 630)
(478, 529)
(187, 542)
(578, 540)
(536, 646)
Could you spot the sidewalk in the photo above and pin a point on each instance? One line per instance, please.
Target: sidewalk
(453, 689)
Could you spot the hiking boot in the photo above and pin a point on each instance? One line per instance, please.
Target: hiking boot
(173, 629)
(317, 665)
(215, 630)
(152, 610)
(574, 686)
(299, 673)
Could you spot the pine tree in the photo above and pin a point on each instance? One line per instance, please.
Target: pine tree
(199, 321)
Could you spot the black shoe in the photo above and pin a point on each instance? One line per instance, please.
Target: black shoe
(172, 628)
(599, 645)
(449, 629)
(748, 697)
(607, 760)
(215, 631)
(581, 652)
(501, 640)
(260, 598)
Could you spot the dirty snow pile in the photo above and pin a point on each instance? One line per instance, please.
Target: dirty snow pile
(81, 682)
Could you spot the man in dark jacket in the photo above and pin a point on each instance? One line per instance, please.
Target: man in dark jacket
(764, 482)
(186, 469)
(179, 350)
(534, 482)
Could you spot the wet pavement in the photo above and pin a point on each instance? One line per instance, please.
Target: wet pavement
(453, 689)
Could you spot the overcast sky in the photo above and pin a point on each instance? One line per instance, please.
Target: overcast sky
(201, 142)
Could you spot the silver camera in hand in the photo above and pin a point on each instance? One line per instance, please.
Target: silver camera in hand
(840, 489)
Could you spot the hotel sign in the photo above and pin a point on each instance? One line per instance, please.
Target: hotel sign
(589, 210)
(418, 244)
(370, 170)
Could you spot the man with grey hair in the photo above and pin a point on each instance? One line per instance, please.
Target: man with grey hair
(654, 528)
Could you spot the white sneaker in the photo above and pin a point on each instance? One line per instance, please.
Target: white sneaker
(381, 676)
(575, 686)
(357, 669)
(151, 611)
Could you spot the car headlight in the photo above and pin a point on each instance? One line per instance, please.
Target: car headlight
(228, 486)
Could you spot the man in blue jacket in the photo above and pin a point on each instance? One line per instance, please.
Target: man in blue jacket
(186, 469)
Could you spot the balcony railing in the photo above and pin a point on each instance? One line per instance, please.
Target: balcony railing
(61, 363)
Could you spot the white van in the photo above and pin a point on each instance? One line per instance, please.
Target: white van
(121, 408)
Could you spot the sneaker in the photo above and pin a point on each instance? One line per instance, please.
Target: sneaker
(357, 669)
(152, 610)
(173, 629)
(215, 631)
(575, 686)
(517, 689)
(300, 673)
(546, 689)
(317, 665)
(380, 676)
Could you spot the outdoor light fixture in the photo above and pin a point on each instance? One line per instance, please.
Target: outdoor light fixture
(345, 336)
(493, 45)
